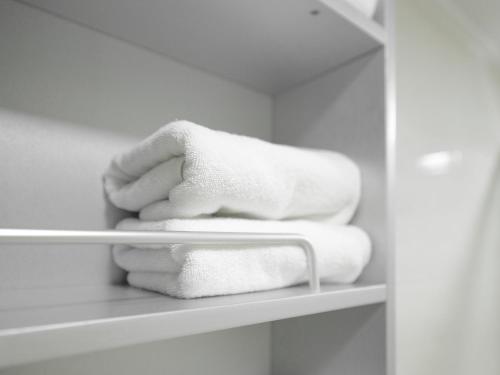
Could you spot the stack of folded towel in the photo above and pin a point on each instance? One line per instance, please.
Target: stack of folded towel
(186, 177)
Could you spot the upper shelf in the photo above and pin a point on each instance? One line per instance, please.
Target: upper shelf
(38, 324)
(268, 45)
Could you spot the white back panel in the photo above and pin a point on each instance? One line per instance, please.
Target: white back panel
(347, 342)
(51, 179)
(242, 351)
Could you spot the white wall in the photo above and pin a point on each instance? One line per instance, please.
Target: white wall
(448, 242)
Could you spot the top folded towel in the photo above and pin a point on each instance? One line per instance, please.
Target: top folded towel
(185, 170)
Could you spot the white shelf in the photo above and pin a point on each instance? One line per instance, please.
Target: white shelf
(38, 324)
(269, 45)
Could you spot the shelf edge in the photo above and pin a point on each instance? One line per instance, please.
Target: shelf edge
(31, 344)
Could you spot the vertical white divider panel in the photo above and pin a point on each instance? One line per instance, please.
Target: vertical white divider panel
(343, 110)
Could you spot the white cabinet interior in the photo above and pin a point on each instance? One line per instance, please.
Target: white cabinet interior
(100, 75)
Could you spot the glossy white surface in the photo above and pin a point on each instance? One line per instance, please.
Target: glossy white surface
(448, 199)
(482, 17)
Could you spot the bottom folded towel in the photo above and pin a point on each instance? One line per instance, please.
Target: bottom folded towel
(189, 271)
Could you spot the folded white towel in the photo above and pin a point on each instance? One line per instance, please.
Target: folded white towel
(185, 170)
(187, 271)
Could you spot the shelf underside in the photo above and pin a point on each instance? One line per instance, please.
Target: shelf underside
(267, 45)
(37, 324)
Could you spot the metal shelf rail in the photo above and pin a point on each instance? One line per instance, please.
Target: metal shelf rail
(36, 236)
